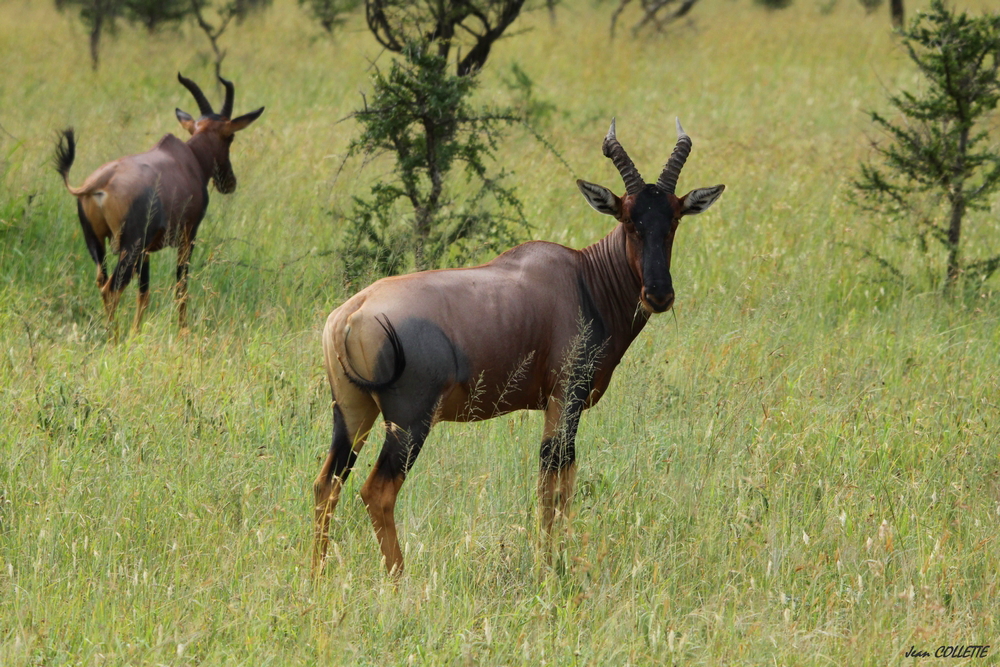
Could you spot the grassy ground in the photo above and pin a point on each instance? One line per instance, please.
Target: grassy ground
(798, 467)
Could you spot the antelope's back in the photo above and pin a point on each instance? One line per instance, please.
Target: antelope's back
(493, 337)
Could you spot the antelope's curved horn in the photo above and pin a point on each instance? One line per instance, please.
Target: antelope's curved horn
(203, 106)
(227, 106)
(614, 150)
(672, 169)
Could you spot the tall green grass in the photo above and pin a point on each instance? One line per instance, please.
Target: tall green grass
(798, 466)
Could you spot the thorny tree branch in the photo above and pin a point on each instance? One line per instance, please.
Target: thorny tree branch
(395, 23)
(651, 10)
(213, 33)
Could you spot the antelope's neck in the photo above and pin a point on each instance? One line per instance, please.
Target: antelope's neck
(203, 148)
(615, 289)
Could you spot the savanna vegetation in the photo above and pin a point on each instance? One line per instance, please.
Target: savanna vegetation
(798, 466)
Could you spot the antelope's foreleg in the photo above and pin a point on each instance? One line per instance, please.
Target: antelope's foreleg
(555, 487)
(184, 251)
(557, 470)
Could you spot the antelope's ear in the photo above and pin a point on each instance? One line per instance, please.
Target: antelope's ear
(186, 120)
(237, 124)
(700, 199)
(600, 198)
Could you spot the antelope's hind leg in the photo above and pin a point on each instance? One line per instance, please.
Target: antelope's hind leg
(95, 246)
(380, 490)
(128, 261)
(141, 228)
(349, 433)
(143, 300)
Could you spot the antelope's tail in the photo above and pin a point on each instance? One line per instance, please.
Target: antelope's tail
(65, 154)
(398, 362)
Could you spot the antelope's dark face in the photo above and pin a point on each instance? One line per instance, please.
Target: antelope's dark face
(651, 221)
(651, 214)
(217, 129)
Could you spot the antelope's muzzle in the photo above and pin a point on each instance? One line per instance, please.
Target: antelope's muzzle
(225, 180)
(658, 303)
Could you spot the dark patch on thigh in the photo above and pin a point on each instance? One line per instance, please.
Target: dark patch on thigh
(145, 223)
(94, 245)
(401, 447)
(433, 363)
(341, 448)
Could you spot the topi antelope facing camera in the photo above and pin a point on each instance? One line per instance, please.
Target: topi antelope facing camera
(141, 203)
(541, 327)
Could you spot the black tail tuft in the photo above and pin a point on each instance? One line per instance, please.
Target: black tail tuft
(65, 153)
(398, 366)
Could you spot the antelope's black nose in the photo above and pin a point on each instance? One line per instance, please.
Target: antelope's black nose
(658, 303)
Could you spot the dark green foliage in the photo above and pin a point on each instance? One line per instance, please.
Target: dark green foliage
(374, 245)
(871, 5)
(658, 14)
(420, 114)
(897, 12)
(154, 14)
(329, 13)
(774, 4)
(470, 27)
(939, 163)
(98, 16)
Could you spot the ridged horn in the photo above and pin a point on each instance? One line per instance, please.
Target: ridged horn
(204, 108)
(227, 106)
(614, 150)
(672, 169)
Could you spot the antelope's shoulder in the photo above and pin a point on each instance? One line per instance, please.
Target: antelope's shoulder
(170, 145)
(536, 254)
(169, 140)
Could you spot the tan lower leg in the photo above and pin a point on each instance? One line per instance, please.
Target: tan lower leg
(181, 308)
(141, 305)
(564, 491)
(326, 504)
(379, 494)
(555, 490)
(546, 500)
(110, 297)
(322, 511)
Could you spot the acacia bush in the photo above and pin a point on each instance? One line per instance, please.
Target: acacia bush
(102, 16)
(421, 114)
(939, 163)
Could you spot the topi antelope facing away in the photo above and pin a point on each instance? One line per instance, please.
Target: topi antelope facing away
(144, 202)
(541, 327)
